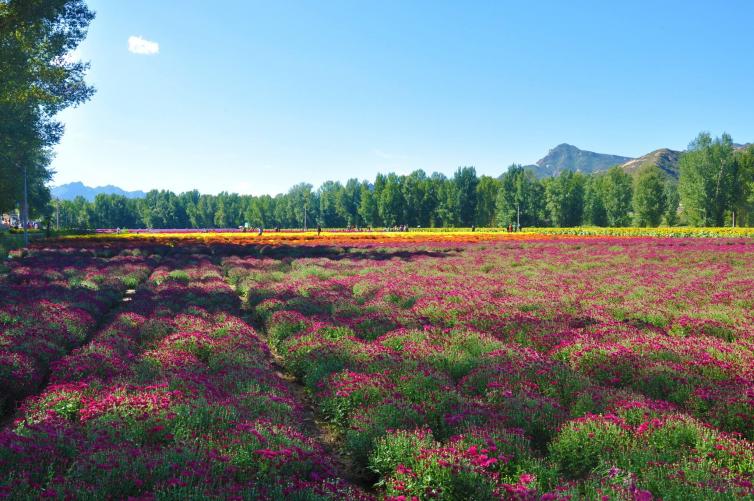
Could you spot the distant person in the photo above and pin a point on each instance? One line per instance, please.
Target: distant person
(473, 228)
(319, 230)
(510, 227)
(277, 229)
(261, 230)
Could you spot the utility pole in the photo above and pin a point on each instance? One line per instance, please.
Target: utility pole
(25, 213)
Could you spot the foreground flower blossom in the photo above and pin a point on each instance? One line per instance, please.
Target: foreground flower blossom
(440, 366)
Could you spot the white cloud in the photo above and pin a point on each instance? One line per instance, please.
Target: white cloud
(139, 45)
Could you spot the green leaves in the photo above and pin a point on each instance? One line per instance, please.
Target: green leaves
(650, 200)
(36, 82)
(709, 180)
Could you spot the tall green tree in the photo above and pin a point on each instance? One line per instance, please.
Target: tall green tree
(189, 200)
(745, 203)
(465, 182)
(520, 198)
(595, 213)
(76, 213)
(114, 211)
(564, 196)
(486, 201)
(38, 79)
(672, 203)
(368, 211)
(391, 203)
(229, 211)
(709, 180)
(649, 196)
(418, 198)
(617, 195)
(302, 206)
(329, 216)
(159, 209)
(348, 201)
(448, 212)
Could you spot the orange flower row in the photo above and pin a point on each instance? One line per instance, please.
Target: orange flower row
(325, 238)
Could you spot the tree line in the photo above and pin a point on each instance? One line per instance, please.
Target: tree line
(715, 185)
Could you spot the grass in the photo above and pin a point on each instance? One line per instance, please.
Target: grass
(11, 241)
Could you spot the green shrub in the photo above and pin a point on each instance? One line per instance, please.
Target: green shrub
(584, 444)
(400, 447)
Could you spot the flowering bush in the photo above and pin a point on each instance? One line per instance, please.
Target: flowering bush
(52, 301)
(570, 345)
(448, 366)
(175, 396)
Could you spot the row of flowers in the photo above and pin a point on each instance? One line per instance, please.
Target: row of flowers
(305, 238)
(51, 302)
(562, 369)
(662, 232)
(175, 397)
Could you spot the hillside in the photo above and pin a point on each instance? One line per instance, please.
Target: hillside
(70, 191)
(664, 158)
(569, 157)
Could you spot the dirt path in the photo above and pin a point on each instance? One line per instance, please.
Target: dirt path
(10, 413)
(319, 430)
(322, 431)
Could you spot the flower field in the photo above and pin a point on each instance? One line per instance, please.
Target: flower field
(378, 366)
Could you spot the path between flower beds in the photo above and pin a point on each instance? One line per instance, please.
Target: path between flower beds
(102, 320)
(313, 427)
(318, 430)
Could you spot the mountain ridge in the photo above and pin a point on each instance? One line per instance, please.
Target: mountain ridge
(664, 158)
(69, 191)
(568, 157)
(558, 159)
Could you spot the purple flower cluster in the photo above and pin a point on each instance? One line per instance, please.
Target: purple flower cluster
(525, 338)
(175, 396)
(579, 368)
(51, 302)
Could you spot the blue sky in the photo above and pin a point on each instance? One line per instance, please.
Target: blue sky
(254, 97)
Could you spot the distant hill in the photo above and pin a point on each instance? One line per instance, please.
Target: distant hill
(569, 157)
(72, 190)
(665, 159)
